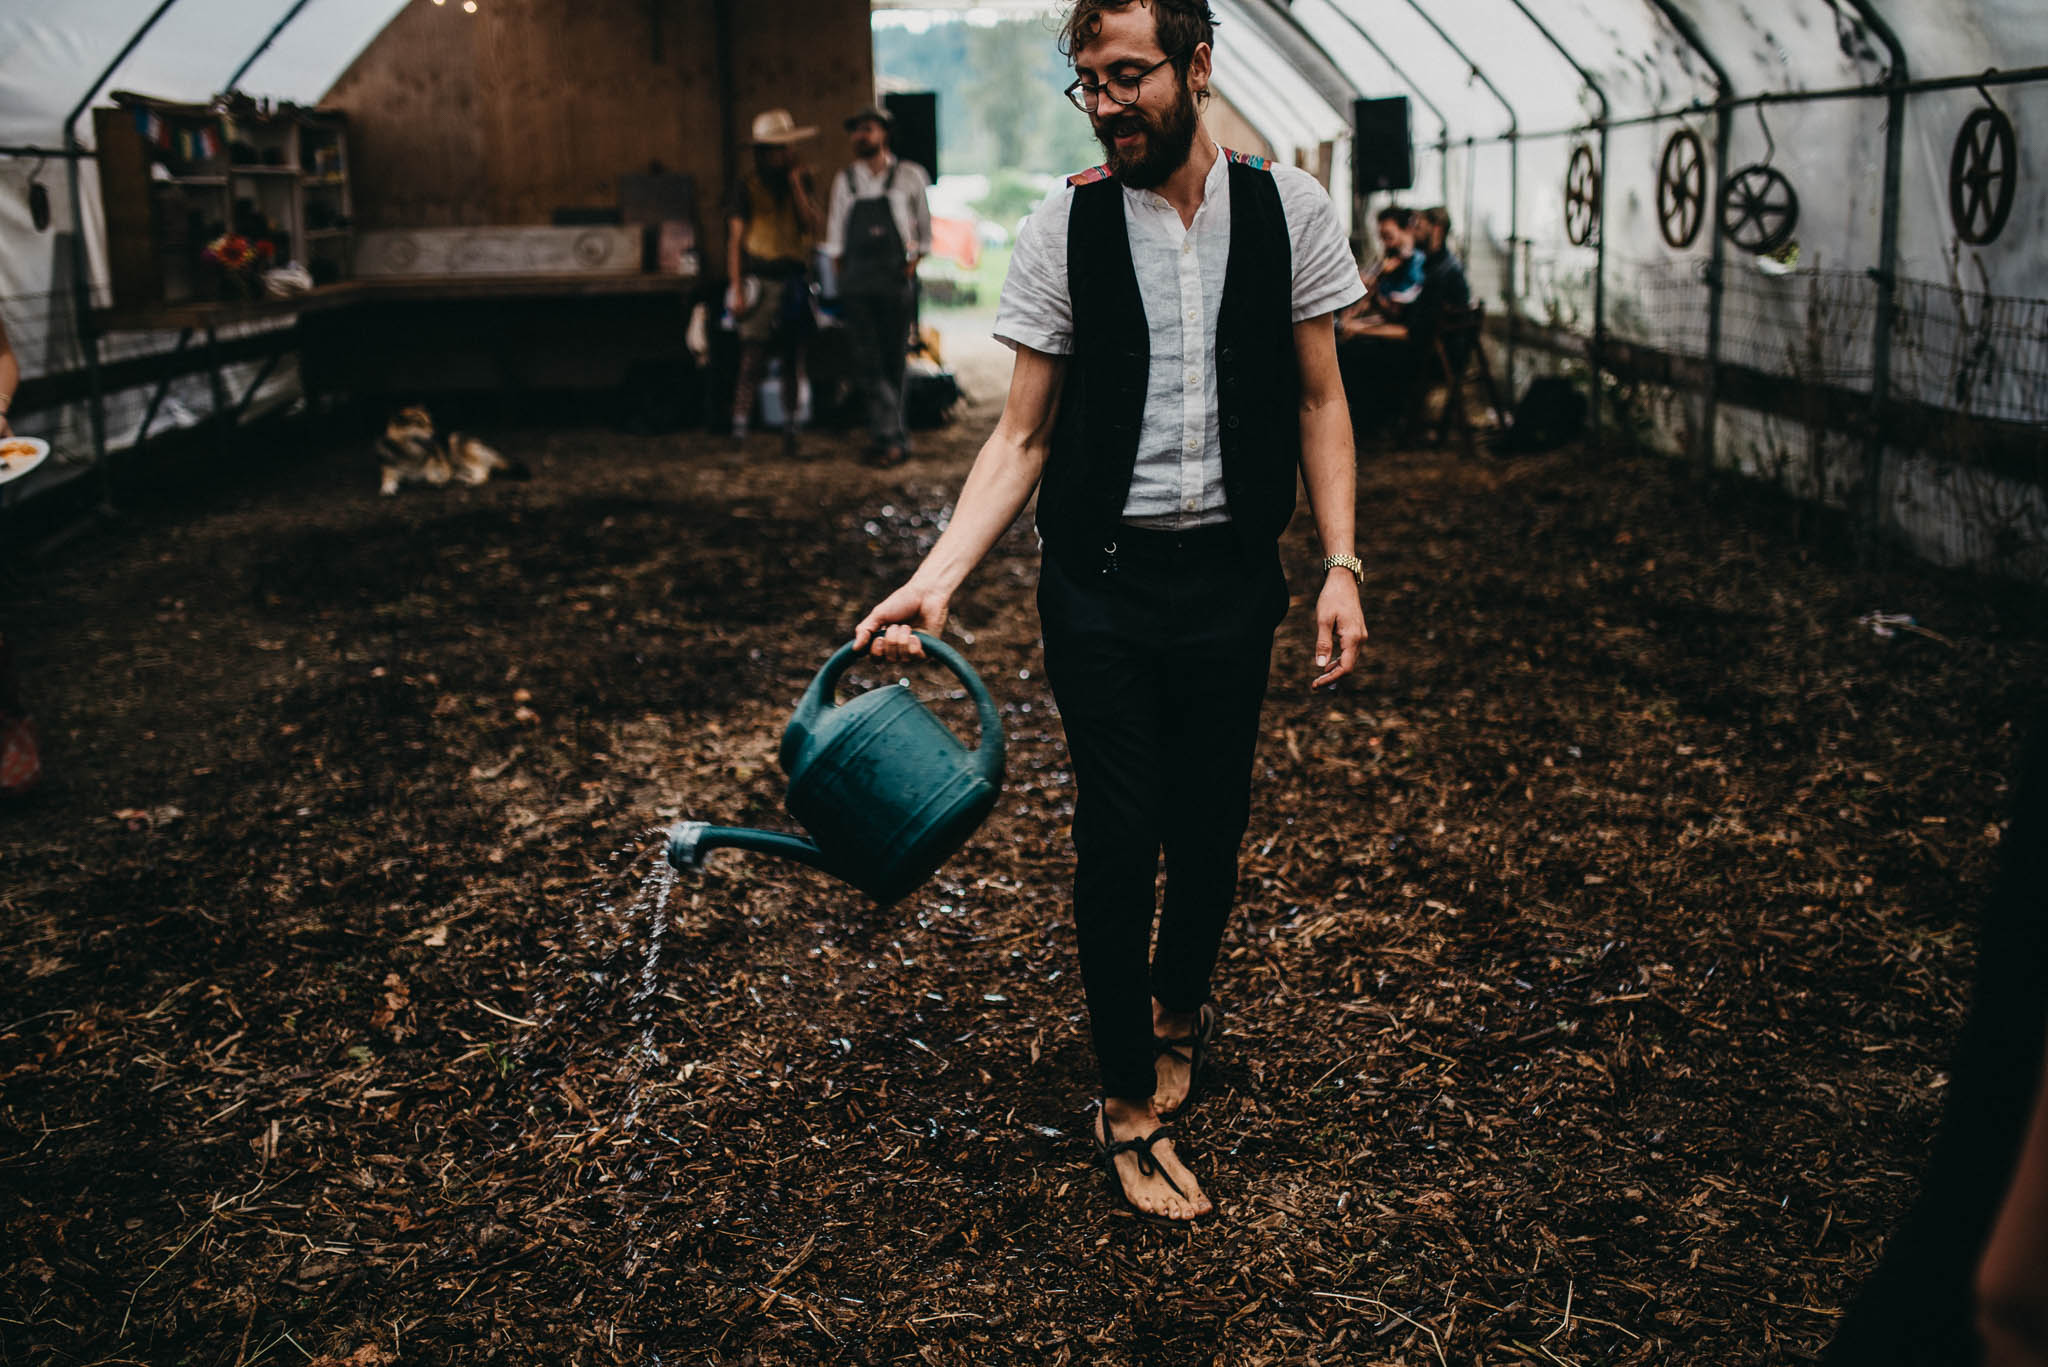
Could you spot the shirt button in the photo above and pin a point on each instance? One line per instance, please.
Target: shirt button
(1192, 315)
(1186, 247)
(1194, 378)
(1193, 445)
(1190, 505)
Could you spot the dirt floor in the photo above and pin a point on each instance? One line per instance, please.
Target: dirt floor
(1599, 952)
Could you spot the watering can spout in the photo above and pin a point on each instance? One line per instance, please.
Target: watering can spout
(690, 841)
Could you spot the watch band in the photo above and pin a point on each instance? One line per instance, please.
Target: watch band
(1345, 562)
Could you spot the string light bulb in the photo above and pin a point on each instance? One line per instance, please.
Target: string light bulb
(469, 6)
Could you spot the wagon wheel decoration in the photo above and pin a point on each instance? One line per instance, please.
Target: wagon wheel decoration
(1582, 197)
(1759, 209)
(1983, 172)
(1682, 188)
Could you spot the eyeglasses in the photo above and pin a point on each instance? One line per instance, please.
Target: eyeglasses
(1122, 89)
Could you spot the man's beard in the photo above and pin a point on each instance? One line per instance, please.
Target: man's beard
(1164, 149)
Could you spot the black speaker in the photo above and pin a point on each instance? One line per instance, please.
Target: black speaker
(1382, 152)
(915, 136)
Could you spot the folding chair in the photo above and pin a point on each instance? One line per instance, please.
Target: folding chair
(1463, 329)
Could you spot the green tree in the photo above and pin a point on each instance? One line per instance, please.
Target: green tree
(1000, 106)
(1003, 96)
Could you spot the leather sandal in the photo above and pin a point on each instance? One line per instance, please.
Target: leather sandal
(1148, 1166)
(1191, 1049)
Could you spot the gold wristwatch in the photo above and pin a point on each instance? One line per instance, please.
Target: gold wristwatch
(1345, 562)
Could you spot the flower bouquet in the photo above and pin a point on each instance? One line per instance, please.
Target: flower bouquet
(241, 263)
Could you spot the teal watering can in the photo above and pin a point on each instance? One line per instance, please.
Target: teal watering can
(885, 790)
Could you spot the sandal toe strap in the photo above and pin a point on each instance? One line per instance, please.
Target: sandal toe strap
(1148, 1164)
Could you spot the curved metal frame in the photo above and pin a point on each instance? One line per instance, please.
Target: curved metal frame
(1887, 260)
(1285, 100)
(264, 46)
(1335, 88)
(1514, 179)
(81, 268)
(1443, 124)
(1597, 352)
(1724, 130)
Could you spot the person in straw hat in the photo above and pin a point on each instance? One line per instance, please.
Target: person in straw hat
(772, 220)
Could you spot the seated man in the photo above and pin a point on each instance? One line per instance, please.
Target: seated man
(1384, 354)
(1400, 276)
(1444, 287)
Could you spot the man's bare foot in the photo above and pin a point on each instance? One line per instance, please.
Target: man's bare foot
(1150, 1187)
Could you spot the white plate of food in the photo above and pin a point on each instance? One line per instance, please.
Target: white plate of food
(19, 455)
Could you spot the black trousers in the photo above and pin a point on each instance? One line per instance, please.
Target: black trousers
(878, 325)
(1157, 655)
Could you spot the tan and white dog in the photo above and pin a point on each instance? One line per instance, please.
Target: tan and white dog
(411, 452)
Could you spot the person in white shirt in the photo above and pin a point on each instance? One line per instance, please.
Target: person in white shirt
(877, 228)
(1175, 373)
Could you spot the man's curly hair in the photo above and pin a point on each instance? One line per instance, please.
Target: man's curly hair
(1183, 26)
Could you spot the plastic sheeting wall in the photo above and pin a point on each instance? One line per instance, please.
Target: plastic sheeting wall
(50, 53)
(1971, 330)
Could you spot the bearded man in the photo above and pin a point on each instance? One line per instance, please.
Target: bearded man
(1175, 366)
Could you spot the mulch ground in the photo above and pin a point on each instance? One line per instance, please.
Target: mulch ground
(1600, 945)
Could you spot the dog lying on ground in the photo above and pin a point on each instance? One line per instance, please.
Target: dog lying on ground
(411, 452)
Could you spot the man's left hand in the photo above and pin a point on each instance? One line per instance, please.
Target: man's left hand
(1340, 628)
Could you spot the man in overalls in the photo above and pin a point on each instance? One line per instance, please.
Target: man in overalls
(1175, 375)
(876, 230)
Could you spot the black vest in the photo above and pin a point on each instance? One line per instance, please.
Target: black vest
(1094, 449)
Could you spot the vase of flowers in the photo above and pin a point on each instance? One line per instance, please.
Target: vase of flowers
(240, 263)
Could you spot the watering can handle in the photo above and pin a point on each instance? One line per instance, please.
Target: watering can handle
(989, 745)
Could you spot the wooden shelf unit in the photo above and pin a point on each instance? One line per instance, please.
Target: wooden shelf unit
(204, 170)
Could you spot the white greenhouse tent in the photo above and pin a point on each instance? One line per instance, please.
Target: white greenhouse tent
(1796, 240)
(56, 62)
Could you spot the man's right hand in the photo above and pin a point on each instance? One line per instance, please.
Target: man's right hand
(890, 624)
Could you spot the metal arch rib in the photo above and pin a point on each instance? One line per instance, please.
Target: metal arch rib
(1600, 213)
(1566, 53)
(264, 46)
(81, 271)
(1896, 81)
(1514, 176)
(1443, 124)
(1690, 32)
(1724, 127)
(1514, 124)
(1271, 94)
(1285, 33)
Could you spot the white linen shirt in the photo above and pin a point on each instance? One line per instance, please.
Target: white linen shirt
(907, 205)
(1178, 479)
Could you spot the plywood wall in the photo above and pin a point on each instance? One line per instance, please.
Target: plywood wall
(527, 106)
